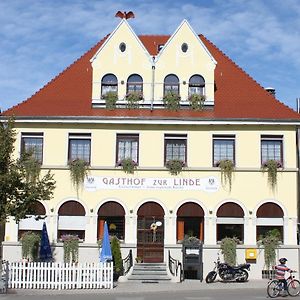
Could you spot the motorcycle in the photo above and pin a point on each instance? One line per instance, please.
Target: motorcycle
(228, 273)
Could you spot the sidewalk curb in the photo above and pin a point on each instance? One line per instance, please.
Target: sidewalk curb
(133, 288)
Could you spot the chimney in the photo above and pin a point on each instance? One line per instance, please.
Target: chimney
(298, 105)
(271, 91)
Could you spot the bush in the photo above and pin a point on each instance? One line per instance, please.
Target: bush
(228, 247)
(116, 254)
(30, 246)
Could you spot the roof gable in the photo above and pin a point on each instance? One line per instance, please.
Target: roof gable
(186, 29)
(123, 27)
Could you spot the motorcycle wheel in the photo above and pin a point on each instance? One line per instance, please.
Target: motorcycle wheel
(211, 276)
(243, 276)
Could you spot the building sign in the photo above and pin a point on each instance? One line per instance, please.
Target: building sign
(207, 184)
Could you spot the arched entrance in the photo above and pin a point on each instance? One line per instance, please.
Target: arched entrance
(150, 242)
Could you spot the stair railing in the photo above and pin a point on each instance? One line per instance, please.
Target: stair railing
(127, 262)
(175, 267)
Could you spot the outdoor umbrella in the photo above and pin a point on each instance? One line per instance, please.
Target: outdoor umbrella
(105, 253)
(45, 249)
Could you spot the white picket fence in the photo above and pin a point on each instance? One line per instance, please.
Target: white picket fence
(38, 275)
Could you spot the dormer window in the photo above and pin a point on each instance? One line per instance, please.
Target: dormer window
(171, 84)
(109, 83)
(135, 84)
(197, 85)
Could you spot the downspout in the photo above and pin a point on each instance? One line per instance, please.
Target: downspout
(153, 81)
(298, 178)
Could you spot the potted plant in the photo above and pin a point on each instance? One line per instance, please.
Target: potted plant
(79, 169)
(272, 166)
(196, 101)
(133, 99)
(228, 248)
(270, 242)
(227, 167)
(71, 248)
(30, 245)
(172, 101)
(128, 165)
(175, 166)
(111, 99)
(117, 257)
(138, 259)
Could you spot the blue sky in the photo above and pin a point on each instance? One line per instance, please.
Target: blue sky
(41, 38)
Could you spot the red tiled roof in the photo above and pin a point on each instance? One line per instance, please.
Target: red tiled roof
(237, 95)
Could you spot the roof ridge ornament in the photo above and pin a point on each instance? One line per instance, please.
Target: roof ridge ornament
(125, 15)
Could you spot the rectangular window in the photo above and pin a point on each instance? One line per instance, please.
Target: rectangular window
(32, 142)
(80, 147)
(127, 147)
(175, 147)
(271, 148)
(223, 148)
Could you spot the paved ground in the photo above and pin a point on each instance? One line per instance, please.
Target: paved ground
(125, 287)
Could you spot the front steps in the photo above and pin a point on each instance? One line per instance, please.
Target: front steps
(149, 273)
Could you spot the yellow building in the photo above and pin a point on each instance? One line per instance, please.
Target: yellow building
(179, 109)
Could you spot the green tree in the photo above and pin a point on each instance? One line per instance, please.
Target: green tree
(20, 181)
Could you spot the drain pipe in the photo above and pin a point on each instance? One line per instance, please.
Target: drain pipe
(153, 80)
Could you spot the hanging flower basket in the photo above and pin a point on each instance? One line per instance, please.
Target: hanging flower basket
(196, 101)
(272, 166)
(227, 168)
(175, 166)
(111, 99)
(172, 101)
(79, 169)
(133, 99)
(128, 165)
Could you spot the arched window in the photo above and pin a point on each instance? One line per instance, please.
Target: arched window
(230, 221)
(109, 83)
(269, 218)
(135, 84)
(34, 221)
(197, 85)
(113, 213)
(71, 219)
(171, 84)
(190, 221)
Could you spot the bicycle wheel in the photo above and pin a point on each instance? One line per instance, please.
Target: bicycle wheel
(294, 287)
(273, 288)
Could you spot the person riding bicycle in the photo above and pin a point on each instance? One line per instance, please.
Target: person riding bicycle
(280, 270)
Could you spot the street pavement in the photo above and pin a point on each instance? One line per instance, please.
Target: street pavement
(128, 288)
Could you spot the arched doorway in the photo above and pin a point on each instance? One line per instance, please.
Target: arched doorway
(150, 242)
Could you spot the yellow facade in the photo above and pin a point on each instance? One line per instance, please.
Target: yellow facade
(250, 188)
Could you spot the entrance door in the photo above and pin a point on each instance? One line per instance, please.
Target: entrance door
(150, 238)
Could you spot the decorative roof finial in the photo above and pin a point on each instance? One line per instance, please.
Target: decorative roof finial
(125, 15)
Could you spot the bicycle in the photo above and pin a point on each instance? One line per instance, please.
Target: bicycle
(275, 287)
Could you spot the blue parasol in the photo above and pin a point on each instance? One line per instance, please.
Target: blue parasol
(45, 249)
(105, 253)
